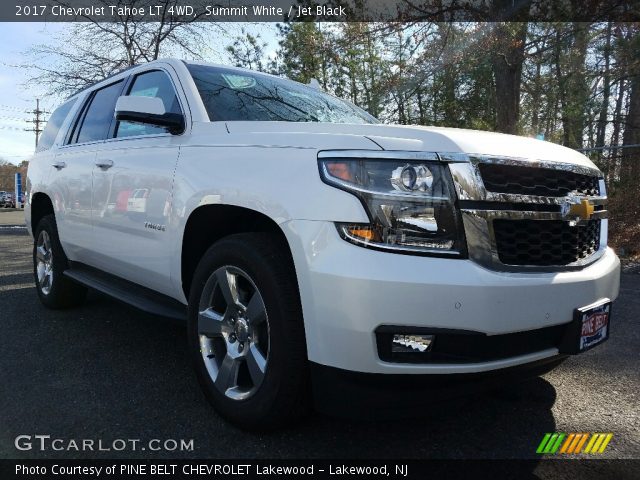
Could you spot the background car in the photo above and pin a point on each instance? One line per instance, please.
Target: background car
(7, 200)
(10, 200)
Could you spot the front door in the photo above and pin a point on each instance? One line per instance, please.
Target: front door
(132, 193)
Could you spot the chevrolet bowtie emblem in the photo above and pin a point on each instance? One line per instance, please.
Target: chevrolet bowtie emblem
(581, 208)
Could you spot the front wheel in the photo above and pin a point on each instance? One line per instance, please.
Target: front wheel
(246, 332)
(49, 263)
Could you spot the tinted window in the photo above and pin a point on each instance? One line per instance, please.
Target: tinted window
(239, 95)
(97, 120)
(150, 84)
(56, 120)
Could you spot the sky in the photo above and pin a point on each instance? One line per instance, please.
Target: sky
(16, 99)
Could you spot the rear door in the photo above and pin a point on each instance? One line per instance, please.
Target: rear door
(71, 179)
(132, 190)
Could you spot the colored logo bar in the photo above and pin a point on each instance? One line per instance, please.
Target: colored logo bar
(573, 443)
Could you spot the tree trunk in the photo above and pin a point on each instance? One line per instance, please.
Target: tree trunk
(617, 124)
(421, 109)
(577, 92)
(604, 106)
(630, 166)
(506, 61)
(449, 107)
(536, 100)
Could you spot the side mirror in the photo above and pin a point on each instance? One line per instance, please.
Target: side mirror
(149, 111)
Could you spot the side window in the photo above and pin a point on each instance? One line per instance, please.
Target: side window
(150, 84)
(56, 120)
(99, 115)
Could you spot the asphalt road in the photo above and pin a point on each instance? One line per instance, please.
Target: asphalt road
(106, 371)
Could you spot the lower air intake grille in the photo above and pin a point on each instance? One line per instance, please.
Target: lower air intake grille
(545, 242)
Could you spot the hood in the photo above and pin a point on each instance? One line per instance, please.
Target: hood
(418, 138)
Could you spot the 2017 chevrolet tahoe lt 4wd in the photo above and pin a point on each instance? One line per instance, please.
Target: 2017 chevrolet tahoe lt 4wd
(315, 252)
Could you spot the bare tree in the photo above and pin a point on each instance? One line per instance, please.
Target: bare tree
(508, 48)
(631, 138)
(90, 51)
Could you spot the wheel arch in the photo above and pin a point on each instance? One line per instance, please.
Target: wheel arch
(210, 223)
(40, 205)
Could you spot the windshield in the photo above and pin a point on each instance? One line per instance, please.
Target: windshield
(240, 95)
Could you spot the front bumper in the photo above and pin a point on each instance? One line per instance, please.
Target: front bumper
(347, 292)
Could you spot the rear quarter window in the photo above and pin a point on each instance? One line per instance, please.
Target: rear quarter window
(53, 126)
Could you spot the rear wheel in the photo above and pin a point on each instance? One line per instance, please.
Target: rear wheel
(246, 332)
(49, 262)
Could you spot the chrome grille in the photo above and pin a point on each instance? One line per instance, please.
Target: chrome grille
(530, 215)
(537, 181)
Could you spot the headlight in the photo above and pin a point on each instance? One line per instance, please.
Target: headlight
(410, 204)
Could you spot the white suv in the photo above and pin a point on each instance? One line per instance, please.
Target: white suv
(314, 252)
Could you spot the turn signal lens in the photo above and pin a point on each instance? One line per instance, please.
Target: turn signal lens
(365, 233)
(340, 170)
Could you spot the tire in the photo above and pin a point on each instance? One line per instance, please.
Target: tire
(49, 262)
(246, 333)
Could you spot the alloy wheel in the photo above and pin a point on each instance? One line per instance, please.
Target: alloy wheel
(44, 262)
(233, 330)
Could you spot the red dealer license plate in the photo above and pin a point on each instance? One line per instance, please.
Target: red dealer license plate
(594, 321)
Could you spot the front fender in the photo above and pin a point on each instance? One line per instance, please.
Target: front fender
(282, 183)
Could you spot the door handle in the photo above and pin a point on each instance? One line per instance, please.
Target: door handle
(104, 164)
(58, 165)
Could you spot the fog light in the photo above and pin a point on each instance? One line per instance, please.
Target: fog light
(411, 343)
